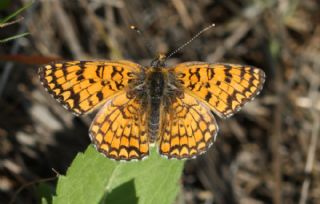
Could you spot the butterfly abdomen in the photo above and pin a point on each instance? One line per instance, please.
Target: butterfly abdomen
(156, 83)
(153, 123)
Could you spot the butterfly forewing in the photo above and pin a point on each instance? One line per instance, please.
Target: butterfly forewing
(225, 88)
(80, 86)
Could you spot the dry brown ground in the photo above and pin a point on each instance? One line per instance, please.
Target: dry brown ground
(267, 153)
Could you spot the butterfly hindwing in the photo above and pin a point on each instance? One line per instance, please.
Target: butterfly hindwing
(224, 87)
(188, 128)
(119, 129)
(80, 86)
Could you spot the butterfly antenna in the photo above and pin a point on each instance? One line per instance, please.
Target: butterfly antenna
(139, 32)
(192, 39)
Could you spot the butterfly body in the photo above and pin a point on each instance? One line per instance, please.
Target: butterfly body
(169, 106)
(158, 87)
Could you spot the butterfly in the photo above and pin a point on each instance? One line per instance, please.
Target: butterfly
(171, 107)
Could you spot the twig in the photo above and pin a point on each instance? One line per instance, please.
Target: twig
(231, 41)
(183, 13)
(313, 95)
(32, 183)
(67, 30)
(14, 50)
(275, 143)
(99, 27)
(13, 37)
(2, 25)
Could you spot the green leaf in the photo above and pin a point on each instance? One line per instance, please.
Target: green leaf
(17, 12)
(92, 178)
(44, 201)
(44, 193)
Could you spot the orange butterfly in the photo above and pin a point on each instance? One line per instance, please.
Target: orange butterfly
(169, 106)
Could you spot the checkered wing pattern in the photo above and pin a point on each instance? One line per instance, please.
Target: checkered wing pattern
(225, 88)
(81, 86)
(188, 128)
(119, 129)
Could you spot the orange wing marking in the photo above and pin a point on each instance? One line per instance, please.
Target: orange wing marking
(81, 86)
(188, 129)
(225, 88)
(119, 129)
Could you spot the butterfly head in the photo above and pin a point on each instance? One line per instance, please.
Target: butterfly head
(159, 61)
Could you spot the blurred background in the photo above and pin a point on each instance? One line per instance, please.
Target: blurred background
(267, 153)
